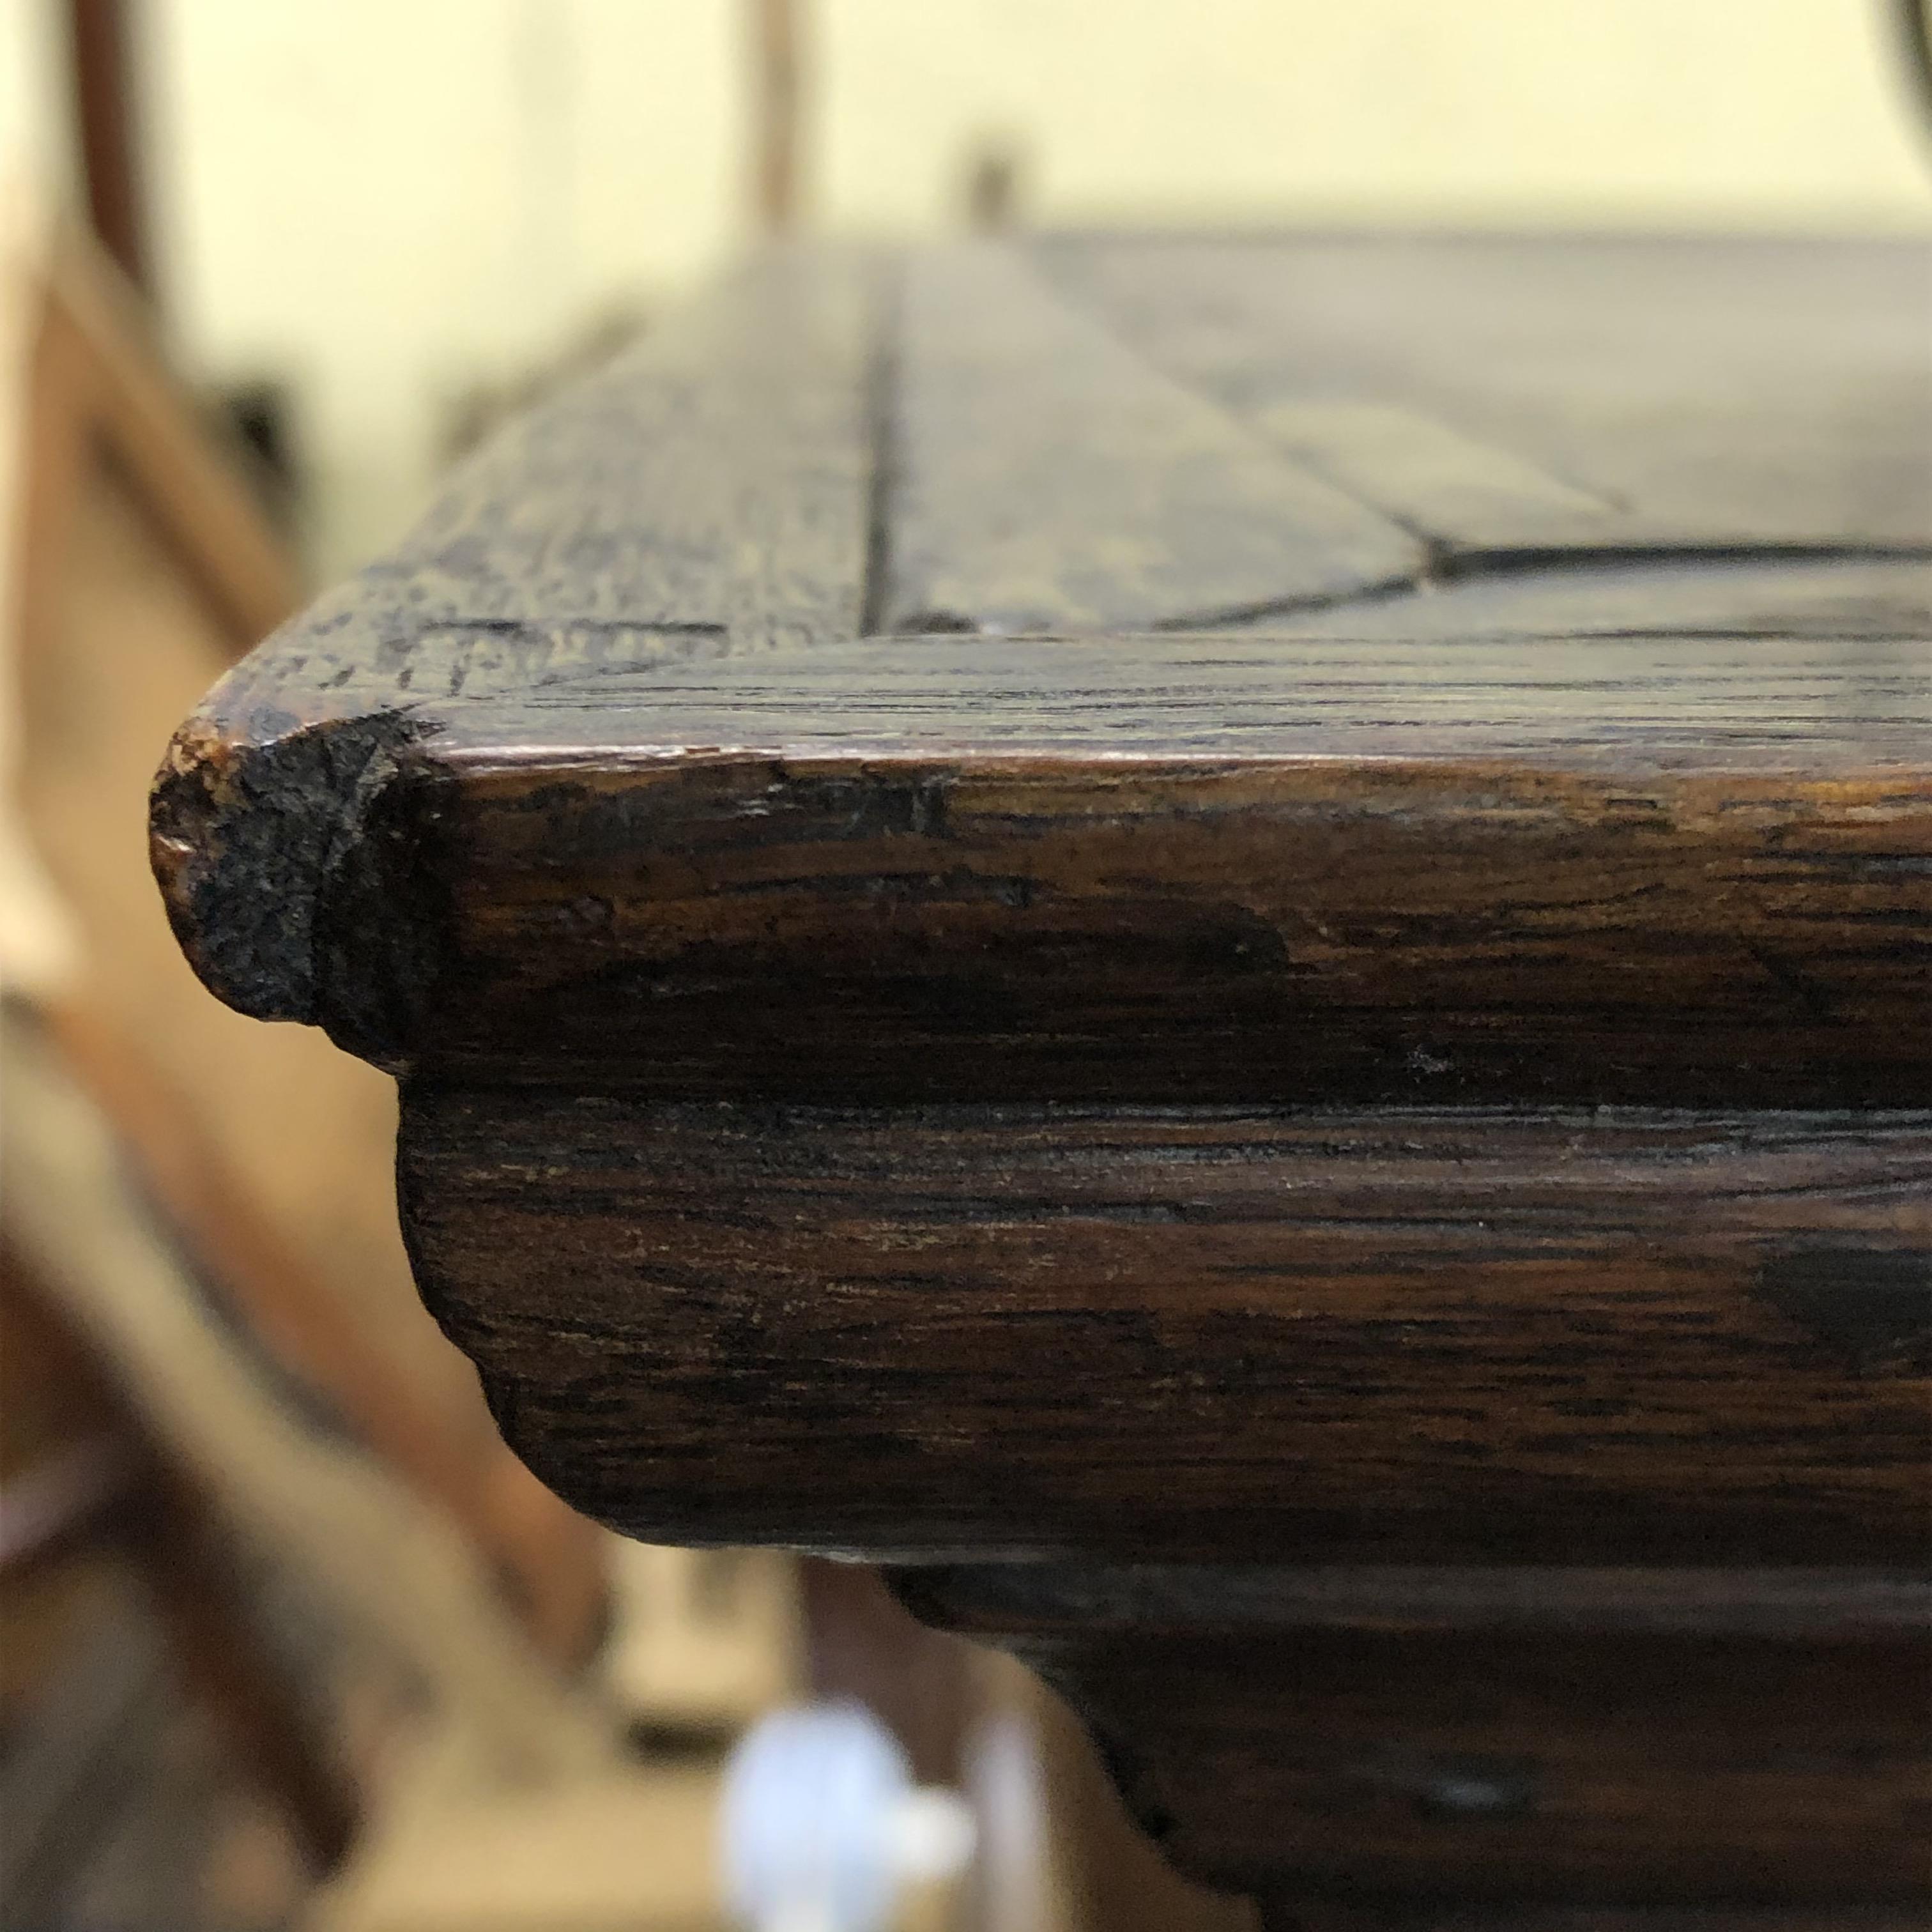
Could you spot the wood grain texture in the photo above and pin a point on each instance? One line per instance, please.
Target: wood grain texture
(710, 489)
(1624, 870)
(1703, 391)
(1425, 1747)
(654, 589)
(1043, 475)
(1228, 941)
(1113, 1334)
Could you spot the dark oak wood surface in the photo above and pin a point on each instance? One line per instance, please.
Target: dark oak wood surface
(1506, 397)
(1548, 1767)
(1622, 1340)
(1224, 941)
(1616, 870)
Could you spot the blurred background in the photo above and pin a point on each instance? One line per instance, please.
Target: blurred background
(286, 1637)
(381, 204)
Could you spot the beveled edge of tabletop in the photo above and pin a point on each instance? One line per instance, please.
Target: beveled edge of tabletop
(675, 563)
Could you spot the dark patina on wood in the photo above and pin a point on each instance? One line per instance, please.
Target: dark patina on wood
(981, 869)
(1225, 942)
(1205, 1334)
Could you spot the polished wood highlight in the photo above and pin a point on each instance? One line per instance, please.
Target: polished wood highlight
(1222, 942)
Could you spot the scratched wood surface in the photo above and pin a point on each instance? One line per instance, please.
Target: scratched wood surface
(1283, 869)
(1105, 1334)
(602, 768)
(1247, 918)
(1514, 882)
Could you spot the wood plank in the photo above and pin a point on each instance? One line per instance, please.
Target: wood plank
(1608, 594)
(1043, 476)
(1607, 1739)
(1607, 832)
(1122, 1082)
(1632, 702)
(1705, 391)
(1421, 470)
(710, 490)
(1158, 1333)
(1219, 868)
(714, 479)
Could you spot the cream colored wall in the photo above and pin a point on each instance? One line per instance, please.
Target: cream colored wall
(390, 198)
(35, 148)
(1756, 111)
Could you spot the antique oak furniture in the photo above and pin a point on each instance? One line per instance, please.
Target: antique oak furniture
(1221, 944)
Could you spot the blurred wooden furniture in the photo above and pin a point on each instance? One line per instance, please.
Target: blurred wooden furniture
(160, 1377)
(1220, 943)
(97, 384)
(115, 1483)
(500, 1726)
(104, 420)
